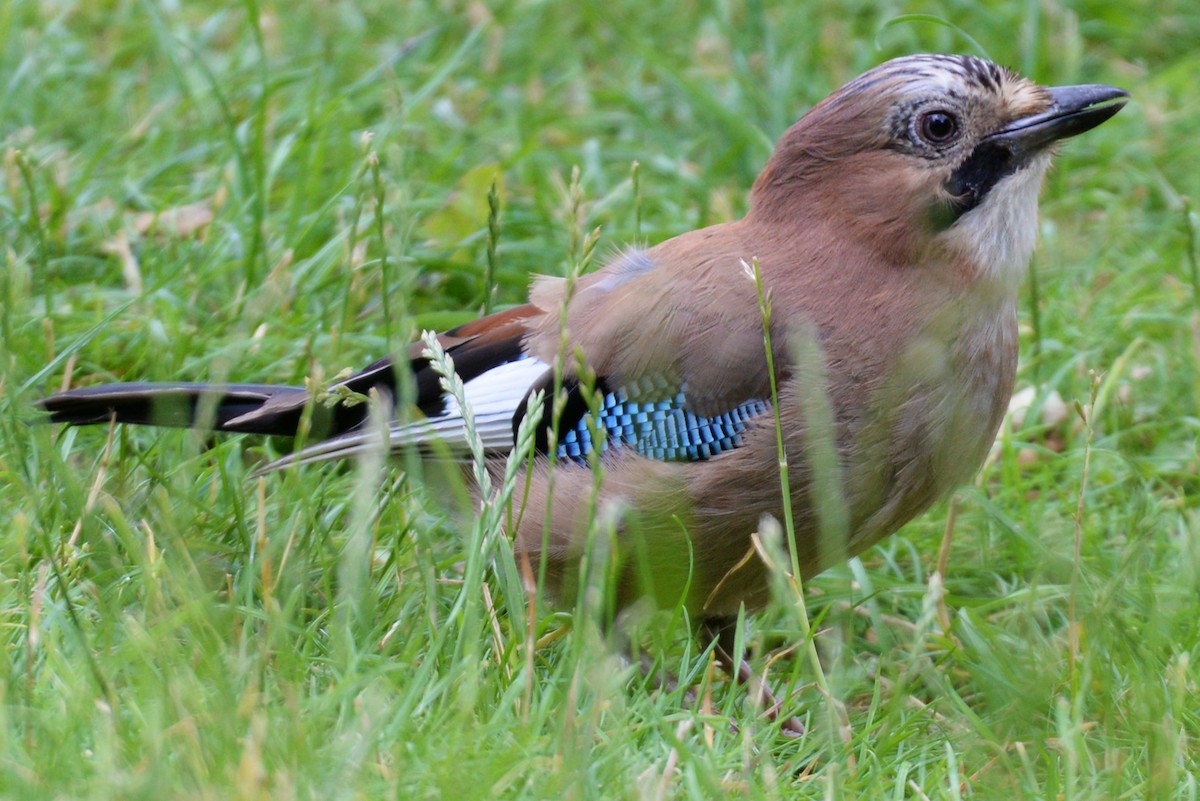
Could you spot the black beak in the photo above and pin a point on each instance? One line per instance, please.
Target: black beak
(1073, 110)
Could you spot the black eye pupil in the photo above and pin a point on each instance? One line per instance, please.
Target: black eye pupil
(938, 126)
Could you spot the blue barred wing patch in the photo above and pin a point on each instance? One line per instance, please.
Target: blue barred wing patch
(661, 429)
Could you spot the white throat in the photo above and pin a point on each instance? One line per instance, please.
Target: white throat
(1000, 233)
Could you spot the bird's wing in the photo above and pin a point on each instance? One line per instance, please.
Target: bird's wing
(675, 364)
(683, 315)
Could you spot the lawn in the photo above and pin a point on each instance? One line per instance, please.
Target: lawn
(269, 191)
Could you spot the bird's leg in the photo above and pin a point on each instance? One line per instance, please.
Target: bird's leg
(722, 632)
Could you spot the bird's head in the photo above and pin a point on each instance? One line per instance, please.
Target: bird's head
(930, 148)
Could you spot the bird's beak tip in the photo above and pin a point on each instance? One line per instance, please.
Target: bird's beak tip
(1073, 110)
(1086, 99)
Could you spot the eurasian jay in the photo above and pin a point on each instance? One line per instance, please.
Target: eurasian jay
(891, 228)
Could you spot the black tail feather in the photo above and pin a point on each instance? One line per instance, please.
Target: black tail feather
(277, 410)
(244, 408)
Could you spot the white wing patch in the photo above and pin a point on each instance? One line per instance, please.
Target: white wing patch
(493, 397)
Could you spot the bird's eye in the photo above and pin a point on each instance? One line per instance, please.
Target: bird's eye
(938, 127)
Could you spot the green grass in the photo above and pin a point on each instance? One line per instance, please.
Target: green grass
(173, 629)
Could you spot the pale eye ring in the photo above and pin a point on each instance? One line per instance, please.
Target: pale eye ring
(938, 127)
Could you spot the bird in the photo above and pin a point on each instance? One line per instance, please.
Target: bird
(881, 256)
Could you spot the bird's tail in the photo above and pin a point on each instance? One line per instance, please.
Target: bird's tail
(478, 348)
(244, 408)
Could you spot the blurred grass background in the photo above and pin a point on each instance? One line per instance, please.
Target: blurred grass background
(189, 191)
